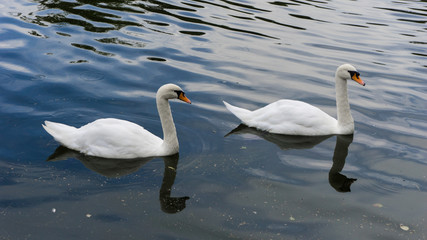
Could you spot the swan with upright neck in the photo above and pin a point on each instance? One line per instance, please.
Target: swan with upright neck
(115, 138)
(299, 118)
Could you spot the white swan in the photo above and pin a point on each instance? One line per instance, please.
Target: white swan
(115, 138)
(299, 118)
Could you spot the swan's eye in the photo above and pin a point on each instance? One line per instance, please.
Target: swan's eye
(354, 73)
(178, 93)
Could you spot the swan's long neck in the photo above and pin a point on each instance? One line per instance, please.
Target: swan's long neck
(170, 140)
(345, 120)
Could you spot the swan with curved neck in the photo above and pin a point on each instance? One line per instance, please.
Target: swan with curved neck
(299, 118)
(115, 138)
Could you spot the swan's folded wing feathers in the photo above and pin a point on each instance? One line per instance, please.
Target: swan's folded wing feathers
(114, 137)
(290, 117)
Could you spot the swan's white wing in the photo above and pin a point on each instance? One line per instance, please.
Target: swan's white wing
(110, 138)
(291, 117)
(115, 138)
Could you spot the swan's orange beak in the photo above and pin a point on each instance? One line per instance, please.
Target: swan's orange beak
(182, 97)
(356, 77)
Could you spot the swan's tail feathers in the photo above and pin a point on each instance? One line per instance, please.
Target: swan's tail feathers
(240, 113)
(61, 132)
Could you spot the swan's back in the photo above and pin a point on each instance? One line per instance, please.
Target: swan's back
(108, 137)
(288, 117)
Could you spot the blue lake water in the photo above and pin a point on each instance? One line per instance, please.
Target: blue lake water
(77, 61)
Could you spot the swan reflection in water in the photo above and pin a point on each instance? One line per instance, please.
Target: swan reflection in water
(337, 180)
(114, 168)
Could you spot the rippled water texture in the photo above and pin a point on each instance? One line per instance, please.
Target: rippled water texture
(77, 61)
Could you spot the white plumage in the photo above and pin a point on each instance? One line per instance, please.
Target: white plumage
(115, 138)
(299, 118)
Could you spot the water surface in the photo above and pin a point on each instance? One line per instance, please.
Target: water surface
(77, 61)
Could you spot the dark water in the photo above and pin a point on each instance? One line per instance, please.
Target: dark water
(76, 61)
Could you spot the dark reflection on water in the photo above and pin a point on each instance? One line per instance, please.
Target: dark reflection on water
(114, 168)
(72, 8)
(337, 180)
(111, 15)
(284, 142)
(161, 17)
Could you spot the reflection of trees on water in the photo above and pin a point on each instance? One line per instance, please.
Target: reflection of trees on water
(121, 167)
(338, 181)
(64, 12)
(112, 14)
